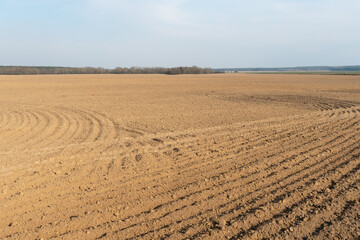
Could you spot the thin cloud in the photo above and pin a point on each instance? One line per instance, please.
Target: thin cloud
(180, 32)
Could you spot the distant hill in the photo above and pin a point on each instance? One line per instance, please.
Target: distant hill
(293, 69)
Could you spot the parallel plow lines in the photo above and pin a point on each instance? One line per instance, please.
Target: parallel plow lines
(225, 191)
(264, 179)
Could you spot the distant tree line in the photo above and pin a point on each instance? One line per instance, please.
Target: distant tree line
(22, 70)
(160, 70)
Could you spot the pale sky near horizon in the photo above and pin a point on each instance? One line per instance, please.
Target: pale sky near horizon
(169, 33)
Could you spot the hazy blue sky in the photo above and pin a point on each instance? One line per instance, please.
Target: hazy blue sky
(206, 33)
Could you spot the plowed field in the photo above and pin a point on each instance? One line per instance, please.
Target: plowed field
(228, 156)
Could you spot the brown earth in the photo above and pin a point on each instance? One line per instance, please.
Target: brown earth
(180, 157)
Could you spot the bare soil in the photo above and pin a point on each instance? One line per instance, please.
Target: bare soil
(228, 156)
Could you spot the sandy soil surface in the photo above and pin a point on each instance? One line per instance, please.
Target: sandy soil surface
(236, 156)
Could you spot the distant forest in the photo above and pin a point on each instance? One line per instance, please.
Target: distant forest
(27, 70)
(22, 70)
